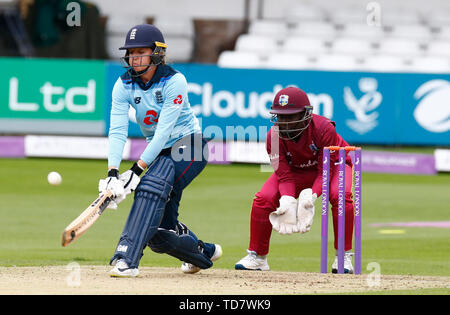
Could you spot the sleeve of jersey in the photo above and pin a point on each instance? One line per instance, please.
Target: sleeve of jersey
(175, 96)
(329, 138)
(277, 155)
(118, 130)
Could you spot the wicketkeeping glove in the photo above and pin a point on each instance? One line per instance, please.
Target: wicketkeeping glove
(305, 210)
(284, 219)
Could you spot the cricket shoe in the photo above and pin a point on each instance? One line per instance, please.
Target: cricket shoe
(190, 268)
(252, 262)
(121, 270)
(348, 267)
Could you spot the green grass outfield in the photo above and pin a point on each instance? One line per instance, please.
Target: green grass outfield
(216, 206)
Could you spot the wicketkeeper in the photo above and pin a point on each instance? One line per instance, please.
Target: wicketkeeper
(286, 201)
(175, 154)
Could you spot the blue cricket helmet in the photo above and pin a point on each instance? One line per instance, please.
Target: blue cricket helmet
(143, 35)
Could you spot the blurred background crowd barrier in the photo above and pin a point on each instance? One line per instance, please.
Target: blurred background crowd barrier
(48, 96)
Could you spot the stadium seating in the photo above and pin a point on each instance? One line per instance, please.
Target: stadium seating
(179, 34)
(306, 33)
(385, 63)
(116, 30)
(305, 45)
(362, 30)
(336, 62)
(303, 12)
(439, 48)
(239, 59)
(270, 28)
(411, 31)
(290, 61)
(400, 47)
(339, 36)
(318, 29)
(352, 46)
(443, 32)
(400, 16)
(437, 16)
(343, 15)
(431, 64)
(263, 45)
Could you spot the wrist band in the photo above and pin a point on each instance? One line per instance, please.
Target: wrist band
(113, 173)
(137, 169)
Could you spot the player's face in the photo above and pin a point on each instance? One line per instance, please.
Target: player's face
(288, 123)
(139, 58)
(291, 126)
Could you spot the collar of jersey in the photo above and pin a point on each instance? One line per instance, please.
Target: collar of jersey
(162, 72)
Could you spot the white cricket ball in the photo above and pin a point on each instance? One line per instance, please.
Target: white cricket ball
(54, 178)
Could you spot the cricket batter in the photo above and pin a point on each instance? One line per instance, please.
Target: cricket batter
(295, 146)
(175, 154)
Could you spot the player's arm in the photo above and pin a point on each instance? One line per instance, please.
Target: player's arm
(118, 130)
(125, 183)
(307, 198)
(175, 96)
(284, 218)
(117, 137)
(279, 162)
(329, 137)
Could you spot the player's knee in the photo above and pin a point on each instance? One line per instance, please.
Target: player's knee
(167, 241)
(159, 179)
(265, 201)
(334, 198)
(184, 247)
(160, 244)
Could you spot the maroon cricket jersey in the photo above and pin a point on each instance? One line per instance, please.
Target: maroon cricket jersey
(304, 155)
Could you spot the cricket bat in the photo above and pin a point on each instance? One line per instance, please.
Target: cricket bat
(86, 219)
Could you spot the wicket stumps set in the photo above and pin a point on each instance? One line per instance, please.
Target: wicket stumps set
(341, 207)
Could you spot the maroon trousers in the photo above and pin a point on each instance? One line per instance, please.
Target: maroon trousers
(267, 200)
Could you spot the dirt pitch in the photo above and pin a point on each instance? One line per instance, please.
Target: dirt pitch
(161, 281)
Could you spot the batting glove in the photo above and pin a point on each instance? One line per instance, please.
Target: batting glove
(131, 179)
(113, 184)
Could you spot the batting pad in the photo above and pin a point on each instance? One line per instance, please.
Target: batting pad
(185, 247)
(147, 211)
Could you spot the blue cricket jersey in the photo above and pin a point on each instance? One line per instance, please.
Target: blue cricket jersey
(162, 109)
